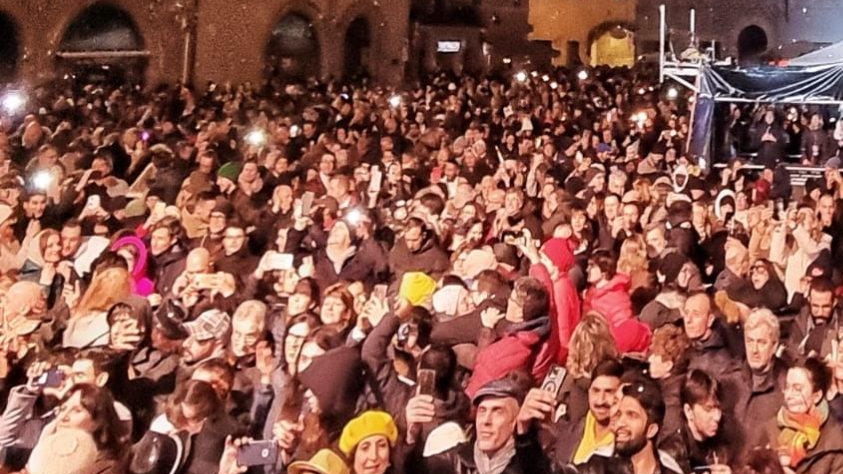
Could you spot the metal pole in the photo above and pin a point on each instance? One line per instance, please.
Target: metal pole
(662, 32)
(693, 24)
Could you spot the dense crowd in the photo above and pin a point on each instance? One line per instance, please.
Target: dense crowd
(476, 276)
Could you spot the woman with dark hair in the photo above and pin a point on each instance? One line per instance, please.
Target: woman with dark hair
(761, 288)
(807, 439)
(42, 264)
(91, 409)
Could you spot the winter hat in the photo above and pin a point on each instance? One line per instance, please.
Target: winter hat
(135, 208)
(324, 461)
(561, 253)
(632, 336)
(212, 324)
(65, 451)
(229, 171)
(417, 288)
(478, 260)
(368, 424)
(442, 438)
(336, 379)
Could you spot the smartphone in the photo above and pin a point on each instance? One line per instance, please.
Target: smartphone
(426, 379)
(379, 291)
(51, 379)
(553, 380)
(377, 179)
(205, 281)
(306, 203)
(280, 261)
(94, 201)
(257, 453)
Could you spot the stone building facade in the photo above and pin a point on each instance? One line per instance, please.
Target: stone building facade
(219, 40)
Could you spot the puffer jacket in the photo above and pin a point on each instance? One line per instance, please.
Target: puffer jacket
(564, 301)
(516, 350)
(611, 300)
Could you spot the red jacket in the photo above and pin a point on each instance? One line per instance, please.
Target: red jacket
(517, 350)
(564, 300)
(612, 301)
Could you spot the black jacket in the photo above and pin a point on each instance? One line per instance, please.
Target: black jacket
(528, 459)
(620, 465)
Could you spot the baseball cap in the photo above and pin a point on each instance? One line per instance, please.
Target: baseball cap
(212, 324)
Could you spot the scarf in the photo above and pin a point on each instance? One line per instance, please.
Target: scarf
(497, 462)
(800, 432)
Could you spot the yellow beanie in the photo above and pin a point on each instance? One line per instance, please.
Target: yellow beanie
(368, 424)
(417, 288)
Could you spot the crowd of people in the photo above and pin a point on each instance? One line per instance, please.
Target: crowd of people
(473, 275)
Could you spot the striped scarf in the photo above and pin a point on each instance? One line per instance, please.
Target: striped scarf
(800, 432)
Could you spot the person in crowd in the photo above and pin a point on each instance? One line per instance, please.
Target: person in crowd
(288, 259)
(806, 438)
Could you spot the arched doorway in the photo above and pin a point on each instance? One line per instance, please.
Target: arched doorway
(102, 44)
(612, 44)
(357, 52)
(9, 48)
(293, 51)
(752, 43)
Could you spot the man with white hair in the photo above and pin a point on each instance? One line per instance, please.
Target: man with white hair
(248, 327)
(762, 373)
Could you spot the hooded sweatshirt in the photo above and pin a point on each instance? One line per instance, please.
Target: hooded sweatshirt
(142, 285)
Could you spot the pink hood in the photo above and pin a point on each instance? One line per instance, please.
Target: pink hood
(143, 285)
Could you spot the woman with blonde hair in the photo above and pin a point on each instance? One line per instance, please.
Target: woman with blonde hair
(591, 343)
(632, 261)
(88, 326)
(794, 254)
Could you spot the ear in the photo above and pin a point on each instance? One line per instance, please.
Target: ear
(669, 366)
(652, 430)
(101, 379)
(686, 409)
(816, 397)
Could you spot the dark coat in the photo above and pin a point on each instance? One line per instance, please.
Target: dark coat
(430, 259)
(691, 454)
(528, 459)
(759, 402)
(621, 465)
(167, 267)
(806, 336)
(825, 458)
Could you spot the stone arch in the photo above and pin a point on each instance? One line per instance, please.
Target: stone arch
(294, 44)
(752, 42)
(10, 47)
(373, 15)
(612, 43)
(102, 27)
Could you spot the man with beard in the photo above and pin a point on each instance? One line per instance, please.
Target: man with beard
(635, 424)
(579, 439)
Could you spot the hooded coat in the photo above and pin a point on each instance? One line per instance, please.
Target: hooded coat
(613, 302)
(516, 350)
(142, 285)
(31, 270)
(564, 301)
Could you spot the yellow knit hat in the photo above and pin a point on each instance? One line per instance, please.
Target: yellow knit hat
(417, 288)
(324, 461)
(369, 423)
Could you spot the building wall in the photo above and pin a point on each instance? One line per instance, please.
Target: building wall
(784, 21)
(231, 35)
(561, 21)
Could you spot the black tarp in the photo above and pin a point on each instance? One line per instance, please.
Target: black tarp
(770, 84)
(792, 84)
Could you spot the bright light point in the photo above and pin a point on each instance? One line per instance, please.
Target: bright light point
(507, 60)
(13, 102)
(545, 78)
(534, 74)
(554, 85)
(642, 91)
(294, 131)
(640, 118)
(521, 76)
(354, 217)
(395, 100)
(42, 180)
(256, 138)
(582, 75)
(672, 93)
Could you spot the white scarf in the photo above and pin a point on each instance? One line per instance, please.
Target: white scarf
(498, 462)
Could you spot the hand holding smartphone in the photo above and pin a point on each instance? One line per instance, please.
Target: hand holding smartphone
(257, 453)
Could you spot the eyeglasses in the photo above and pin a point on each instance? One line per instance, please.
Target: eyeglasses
(758, 268)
